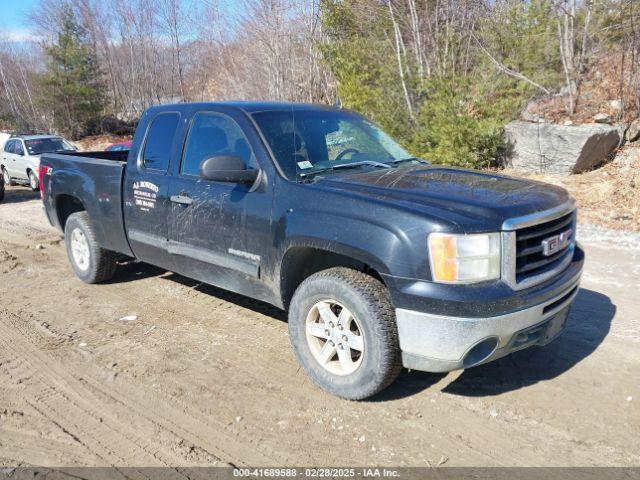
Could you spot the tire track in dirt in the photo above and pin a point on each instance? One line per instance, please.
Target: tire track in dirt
(100, 427)
(280, 372)
(294, 397)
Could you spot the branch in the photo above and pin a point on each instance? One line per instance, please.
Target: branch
(506, 69)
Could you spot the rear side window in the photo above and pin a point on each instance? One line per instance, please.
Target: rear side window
(157, 147)
(8, 147)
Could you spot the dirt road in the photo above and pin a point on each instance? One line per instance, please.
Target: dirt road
(204, 377)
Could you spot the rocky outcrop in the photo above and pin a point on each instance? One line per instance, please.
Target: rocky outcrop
(563, 149)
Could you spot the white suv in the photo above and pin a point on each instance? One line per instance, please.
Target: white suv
(20, 157)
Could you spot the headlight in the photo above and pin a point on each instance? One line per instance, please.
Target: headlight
(464, 258)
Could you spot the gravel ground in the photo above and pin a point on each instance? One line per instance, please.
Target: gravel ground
(598, 235)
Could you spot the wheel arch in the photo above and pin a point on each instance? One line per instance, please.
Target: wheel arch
(300, 261)
(66, 205)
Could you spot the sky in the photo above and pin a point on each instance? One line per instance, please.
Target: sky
(14, 21)
(14, 24)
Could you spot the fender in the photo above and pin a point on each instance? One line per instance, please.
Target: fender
(373, 243)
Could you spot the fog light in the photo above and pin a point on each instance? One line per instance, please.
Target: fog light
(480, 352)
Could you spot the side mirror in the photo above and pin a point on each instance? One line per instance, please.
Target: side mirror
(227, 168)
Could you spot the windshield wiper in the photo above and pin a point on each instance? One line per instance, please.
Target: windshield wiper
(398, 160)
(347, 165)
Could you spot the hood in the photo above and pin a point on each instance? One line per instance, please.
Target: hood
(474, 200)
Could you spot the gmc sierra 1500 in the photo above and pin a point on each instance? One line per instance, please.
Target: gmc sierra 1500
(381, 259)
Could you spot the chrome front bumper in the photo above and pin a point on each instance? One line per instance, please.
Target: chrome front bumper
(435, 343)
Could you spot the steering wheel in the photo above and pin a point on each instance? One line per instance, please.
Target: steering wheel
(346, 151)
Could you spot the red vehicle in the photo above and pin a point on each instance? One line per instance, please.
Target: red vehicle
(115, 147)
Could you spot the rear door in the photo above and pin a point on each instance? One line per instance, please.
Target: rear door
(8, 159)
(208, 232)
(146, 190)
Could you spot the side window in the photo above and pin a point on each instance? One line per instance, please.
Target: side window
(8, 147)
(17, 148)
(214, 134)
(157, 146)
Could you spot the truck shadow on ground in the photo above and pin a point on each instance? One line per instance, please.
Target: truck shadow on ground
(132, 270)
(19, 194)
(587, 327)
(257, 306)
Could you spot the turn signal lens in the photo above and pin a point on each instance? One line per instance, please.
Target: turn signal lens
(464, 258)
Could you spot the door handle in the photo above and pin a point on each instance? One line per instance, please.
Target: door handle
(181, 199)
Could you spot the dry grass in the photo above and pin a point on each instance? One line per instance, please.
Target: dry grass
(608, 196)
(99, 142)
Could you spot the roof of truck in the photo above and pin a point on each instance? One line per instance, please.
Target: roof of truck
(250, 106)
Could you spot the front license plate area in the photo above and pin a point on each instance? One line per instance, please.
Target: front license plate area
(542, 333)
(556, 325)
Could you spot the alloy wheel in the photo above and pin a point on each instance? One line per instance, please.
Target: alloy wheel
(335, 337)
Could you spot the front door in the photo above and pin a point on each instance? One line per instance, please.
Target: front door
(208, 223)
(20, 161)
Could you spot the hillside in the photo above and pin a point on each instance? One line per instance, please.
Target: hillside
(608, 196)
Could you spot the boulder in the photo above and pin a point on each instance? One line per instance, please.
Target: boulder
(602, 118)
(633, 131)
(563, 149)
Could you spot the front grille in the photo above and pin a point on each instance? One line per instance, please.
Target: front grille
(530, 260)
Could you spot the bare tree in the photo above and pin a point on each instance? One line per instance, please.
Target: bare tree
(572, 54)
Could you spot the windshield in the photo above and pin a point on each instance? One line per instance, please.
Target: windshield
(309, 141)
(38, 146)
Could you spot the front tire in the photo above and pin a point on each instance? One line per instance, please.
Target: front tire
(343, 332)
(34, 183)
(90, 262)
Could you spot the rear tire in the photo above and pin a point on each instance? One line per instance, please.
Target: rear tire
(367, 331)
(1, 188)
(90, 262)
(34, 183)
(7, 178)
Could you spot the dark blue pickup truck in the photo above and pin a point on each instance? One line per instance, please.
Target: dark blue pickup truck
(381, 259)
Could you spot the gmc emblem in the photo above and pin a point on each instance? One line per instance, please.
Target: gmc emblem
(556, 243)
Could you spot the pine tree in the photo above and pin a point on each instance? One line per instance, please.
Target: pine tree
(75, 92)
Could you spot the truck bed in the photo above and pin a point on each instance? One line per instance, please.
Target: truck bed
(116, 156)
(95, 178)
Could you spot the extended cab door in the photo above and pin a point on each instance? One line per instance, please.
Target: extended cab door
(146, 189)
(219, 232)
